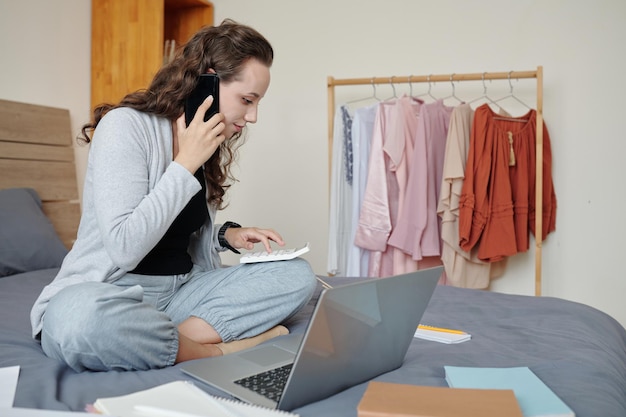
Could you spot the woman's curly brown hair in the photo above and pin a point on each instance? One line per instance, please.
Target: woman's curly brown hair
(225, 49)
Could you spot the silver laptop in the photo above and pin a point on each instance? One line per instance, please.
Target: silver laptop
(357, 332)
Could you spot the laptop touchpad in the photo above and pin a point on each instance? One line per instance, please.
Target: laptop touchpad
(267, 355)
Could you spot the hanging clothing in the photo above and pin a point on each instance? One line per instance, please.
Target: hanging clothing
(496, 199)
(340, 212)
(417, 229)
(362, 131)
(380, 202)
(398, 146)
(463, 269)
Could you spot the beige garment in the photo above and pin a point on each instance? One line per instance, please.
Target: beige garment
(463, 269)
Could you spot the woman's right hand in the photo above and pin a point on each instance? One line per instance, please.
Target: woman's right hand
(198, 141)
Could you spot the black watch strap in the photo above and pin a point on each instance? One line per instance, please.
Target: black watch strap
(222, 240)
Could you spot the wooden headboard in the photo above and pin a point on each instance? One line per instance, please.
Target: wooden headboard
(36, 152)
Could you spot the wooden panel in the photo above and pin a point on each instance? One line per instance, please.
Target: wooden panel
(63, 216)
(127, 47)
(21, 122)
(15, 150)
(53, 181)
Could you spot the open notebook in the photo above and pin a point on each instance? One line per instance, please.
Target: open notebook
(180, 398)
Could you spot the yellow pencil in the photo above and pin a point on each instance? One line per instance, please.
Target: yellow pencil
(440, 329)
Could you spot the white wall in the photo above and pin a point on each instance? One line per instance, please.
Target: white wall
(45, 54)
(283, 167)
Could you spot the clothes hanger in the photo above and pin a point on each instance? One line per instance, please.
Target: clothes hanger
(393, 87)
(374, 96)
(413, 99)
(428, 93)
(460, 101)
(485, 96)
(513, 96)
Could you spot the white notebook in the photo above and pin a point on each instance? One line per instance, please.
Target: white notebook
(437, 334)
(180, 399)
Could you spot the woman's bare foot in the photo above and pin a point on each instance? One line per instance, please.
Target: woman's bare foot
(189, 349)
(237, 345)
(197, 339)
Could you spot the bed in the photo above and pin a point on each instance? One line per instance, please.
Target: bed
(576, 350)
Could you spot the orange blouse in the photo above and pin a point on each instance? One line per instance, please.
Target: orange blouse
(497, 203)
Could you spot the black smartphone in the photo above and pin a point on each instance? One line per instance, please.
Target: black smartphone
(208, 84)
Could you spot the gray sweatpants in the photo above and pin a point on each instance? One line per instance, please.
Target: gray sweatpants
(132, 323)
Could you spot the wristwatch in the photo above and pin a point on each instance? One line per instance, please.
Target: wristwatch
(222, 240)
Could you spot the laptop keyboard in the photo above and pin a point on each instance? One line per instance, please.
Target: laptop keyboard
(270, 383)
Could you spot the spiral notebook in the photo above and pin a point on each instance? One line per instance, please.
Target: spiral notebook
(181, 399)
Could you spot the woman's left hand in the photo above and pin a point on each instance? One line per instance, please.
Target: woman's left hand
(246, 237)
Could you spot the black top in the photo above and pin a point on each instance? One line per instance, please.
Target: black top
(170, 256)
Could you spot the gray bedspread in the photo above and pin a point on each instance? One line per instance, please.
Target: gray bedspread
(576, 350)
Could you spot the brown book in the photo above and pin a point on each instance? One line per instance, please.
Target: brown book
(382, 399)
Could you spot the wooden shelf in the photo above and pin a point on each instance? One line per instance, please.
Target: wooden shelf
(128, 39)
(183, 18)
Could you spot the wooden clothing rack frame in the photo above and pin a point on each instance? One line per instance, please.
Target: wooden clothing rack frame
(537, 74)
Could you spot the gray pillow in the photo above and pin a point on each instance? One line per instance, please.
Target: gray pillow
(28, 240)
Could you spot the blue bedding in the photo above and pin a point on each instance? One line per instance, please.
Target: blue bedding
(576, 350)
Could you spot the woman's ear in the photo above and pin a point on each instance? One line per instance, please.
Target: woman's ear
(211, 71)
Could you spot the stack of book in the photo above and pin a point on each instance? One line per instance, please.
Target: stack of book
(472, 392)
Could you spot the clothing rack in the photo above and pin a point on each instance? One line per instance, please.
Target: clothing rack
(537, 74)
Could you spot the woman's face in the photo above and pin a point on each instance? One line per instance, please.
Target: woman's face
(239, 98)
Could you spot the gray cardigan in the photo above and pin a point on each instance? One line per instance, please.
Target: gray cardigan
(133, 192)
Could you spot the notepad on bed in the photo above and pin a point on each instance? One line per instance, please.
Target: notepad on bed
(441, 335)
(180, 398)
